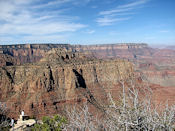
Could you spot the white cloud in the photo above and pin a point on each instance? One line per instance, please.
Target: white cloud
(52, 3)
(21, 17)
(133, 4)
(90, 31)
(109, 17)
(109, 12)
(109, 21)
(40, 28)
(34, 39)
(94, 7)
(164, 31)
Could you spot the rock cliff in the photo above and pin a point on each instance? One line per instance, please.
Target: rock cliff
(60, 78)
(129, 50)
(28, 53)
(42, 79)
(140, 54)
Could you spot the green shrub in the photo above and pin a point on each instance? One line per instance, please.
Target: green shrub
(55, 123)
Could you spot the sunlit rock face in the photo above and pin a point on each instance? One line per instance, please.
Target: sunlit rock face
(60, 78)
(28, 53)
(43, 79)
(31, 53)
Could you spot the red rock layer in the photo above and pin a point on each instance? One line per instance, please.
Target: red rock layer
(45, 88)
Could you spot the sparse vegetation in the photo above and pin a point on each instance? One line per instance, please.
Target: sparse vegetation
(56, 123)
(4, 123)
(134, 111)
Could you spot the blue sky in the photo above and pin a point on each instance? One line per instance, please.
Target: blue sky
(87, 21)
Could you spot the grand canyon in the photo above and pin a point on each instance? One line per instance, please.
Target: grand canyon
(43, 78)
(87, 65)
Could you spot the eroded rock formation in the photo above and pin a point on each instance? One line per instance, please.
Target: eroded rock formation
(43, 79)
(61, 78)
(28, 53)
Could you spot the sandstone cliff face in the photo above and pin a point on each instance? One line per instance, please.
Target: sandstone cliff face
(44, 88)
(140, 54)
(65, 76)
(157, 65)
(28, 53)
(7, 60)
(129, 51)
(164, 78)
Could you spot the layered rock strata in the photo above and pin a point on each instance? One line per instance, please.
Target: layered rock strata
(61, 78)
(30, 53)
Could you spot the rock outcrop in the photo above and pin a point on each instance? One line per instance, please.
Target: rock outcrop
(129, 51)
(7, 60)
(139, 54)
(61, 78)
(157, 65)
(28, 53)
(43, 79)
(31, 53)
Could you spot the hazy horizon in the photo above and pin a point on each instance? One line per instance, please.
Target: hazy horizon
(87, 21)
(160, 46)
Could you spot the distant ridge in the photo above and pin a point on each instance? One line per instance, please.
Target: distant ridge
(54, 45)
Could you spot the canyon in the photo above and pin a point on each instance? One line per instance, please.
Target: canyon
(155, 63)
(43, 79)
